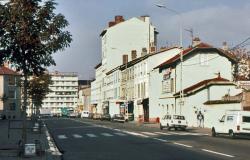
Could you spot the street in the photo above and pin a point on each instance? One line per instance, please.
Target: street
(94, 140)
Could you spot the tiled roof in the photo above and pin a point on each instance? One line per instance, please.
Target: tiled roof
(202, 84)
(189, 51)
(7, 71)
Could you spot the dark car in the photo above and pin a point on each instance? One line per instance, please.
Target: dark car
(118, 118)
(106, 117)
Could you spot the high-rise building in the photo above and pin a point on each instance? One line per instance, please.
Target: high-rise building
(64, 93)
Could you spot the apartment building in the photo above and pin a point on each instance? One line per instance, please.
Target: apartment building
(10, 93)
(64, 93)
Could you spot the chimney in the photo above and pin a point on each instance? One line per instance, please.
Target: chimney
(124, 59)
(224, 46)
(133, 54)
(145, 18)
(119, 19)
(111, 23)
(196, 41)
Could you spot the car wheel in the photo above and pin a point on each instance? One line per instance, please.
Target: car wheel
(161, 126)
(231, 134)
(213, 132)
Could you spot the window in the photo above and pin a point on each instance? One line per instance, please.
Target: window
(12, 93)
(12, 106)
(230, 118)
(11, 80)
(246, 119)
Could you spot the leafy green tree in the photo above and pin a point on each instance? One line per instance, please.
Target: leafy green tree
(30, 32)
(38, 89)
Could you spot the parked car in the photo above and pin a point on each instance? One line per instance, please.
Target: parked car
(106, 117)
(96, 116)
(233, 123)
(85, 114)
(72, 115)
(173, 121)
(118, 118)
(91, 115)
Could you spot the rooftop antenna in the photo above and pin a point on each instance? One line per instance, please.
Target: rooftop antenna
(191, 31)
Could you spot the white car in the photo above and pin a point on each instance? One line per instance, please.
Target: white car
(173, 121)
(85, 114)
(233, 123)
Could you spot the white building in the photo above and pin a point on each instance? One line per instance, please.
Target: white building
(64, 93)
(122, 42)
(206, 76)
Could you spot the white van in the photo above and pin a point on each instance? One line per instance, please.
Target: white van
(85, 114)
(173, 121)
(233, 123)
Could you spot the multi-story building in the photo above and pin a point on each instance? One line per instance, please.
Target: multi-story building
(10, 93)
(64, 93)
(136, 36)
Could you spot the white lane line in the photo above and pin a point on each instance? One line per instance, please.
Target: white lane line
(120, 134)
(136, 134)
(61, 137)
(77, 136)
(149, 133)
(162, 140)
(162, 133)
(107, 134)
(91, 135)
(117, 129)
(180, 144)
(176, 133)
(227, 155)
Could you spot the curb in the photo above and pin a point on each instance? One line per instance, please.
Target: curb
(53, 150)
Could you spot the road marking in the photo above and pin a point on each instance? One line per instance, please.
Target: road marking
(149, 133)
(162, 140)
(136, 134)
(180, 144)
(61, 137)
(162, 133)
(120, 134)
(227, 155)
(91, 135)
(77, 136)
(107, 134)
(117, 129)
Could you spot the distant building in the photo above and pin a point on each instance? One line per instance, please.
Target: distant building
(10, 93)
(64, 93)
(84, 94)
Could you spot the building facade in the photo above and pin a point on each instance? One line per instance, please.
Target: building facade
(206, 75)
(10, 93)
(64, 93)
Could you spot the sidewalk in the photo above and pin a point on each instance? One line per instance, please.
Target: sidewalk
(9, 149)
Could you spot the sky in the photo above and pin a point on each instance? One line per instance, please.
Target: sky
(213, 21)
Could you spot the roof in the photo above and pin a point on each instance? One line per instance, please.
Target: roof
(203, 84)
(221, 102)
(200, 47)
(137, 60)
(98, 65)
(7, 71)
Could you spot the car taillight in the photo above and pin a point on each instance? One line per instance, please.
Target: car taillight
(238, 128)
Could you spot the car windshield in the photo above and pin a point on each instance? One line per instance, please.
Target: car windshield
(179, 117)
(246, 119)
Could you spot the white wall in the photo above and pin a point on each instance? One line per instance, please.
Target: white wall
(132, 34)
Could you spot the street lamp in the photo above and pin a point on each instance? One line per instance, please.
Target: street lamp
(181, 53)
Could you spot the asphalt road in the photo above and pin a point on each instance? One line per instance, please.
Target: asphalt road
(95, 140)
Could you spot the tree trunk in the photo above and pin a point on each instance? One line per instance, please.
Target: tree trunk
(24, 133)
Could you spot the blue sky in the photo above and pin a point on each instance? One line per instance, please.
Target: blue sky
(214, 21)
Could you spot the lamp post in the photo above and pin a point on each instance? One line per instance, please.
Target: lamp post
(181, 103)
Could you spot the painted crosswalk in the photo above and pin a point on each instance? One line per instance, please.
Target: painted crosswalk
(123, 133)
